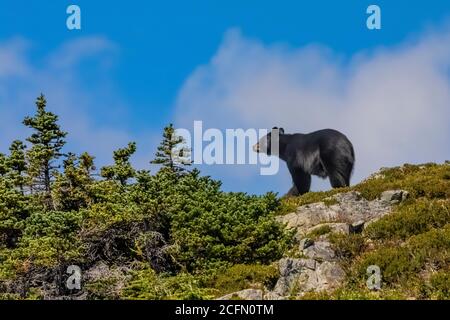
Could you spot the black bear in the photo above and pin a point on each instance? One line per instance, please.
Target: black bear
(323, 153)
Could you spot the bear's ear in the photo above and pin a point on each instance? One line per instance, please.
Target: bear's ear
(281, 130)
(274, 128)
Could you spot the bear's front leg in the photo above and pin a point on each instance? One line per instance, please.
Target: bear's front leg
(301, 179)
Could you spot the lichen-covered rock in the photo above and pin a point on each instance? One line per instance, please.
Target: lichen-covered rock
(305, 243)
(350, 208)
(290, 269)
(271, 295)
(298, 276)
(320, 250)
(394, 196)
(329, 276)
(247, 294)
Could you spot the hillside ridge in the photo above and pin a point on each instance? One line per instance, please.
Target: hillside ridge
(176, 235)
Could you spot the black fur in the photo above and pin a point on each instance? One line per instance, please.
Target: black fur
(323, 153)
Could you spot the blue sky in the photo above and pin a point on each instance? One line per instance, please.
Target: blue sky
(137, 57)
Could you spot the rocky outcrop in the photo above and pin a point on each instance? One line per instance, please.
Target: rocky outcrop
(298, 276)
(394, 196)
(247, 294)
(348, 214)
(319, 268)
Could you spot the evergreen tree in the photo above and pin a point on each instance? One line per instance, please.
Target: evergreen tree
(17, 164)
(71, 188)
(172, 153)
(47, 141)
(122, 170)
(87, 163)
(14, 205)
(4, 169)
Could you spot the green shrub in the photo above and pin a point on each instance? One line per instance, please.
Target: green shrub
(439, 286)
(50, 238)
(317, 232)
(348, 247)
(426, 180)
(411, 219)
(104, 289)
(356, 294)
(242, 276)
(401, 263)
(147, 285)
(212, 226)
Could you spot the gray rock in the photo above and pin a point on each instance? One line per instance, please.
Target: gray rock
(298, 276)
(305, 282)
(310, 264)
(394, 196)
(283, 286)
(247, 294)
(351, 207)
(329, 276)
(290, 269)
(274, 296)
(357, 227)
(326, 276)
(342, 228)
(321, 250)
(305, 243)
(288, 266)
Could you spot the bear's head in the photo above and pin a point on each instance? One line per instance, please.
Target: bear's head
(264, 144)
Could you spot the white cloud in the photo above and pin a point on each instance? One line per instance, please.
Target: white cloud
(393, 103)
(88, 111)
(73, 52)
(12, 59)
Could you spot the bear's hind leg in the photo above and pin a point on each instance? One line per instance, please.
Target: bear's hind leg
(337, 180)
(339, 171)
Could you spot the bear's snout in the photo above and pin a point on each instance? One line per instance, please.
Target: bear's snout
(256, 147)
